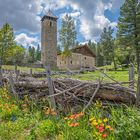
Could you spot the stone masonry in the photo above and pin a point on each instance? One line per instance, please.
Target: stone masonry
(49, 40)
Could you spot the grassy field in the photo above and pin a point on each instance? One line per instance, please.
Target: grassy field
(25, 121)
(23, 69)
(119, 75)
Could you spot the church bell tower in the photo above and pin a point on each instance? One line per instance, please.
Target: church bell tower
(49, 40)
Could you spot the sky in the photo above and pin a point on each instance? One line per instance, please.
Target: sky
(90, 17)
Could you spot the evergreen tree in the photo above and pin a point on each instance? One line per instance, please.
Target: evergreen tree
(129, 26)
(99, 56)
(31, 52)
(67, 33)
(38, 54)
(59, 49)
(107, 43)
(92, 46)
(6, 42)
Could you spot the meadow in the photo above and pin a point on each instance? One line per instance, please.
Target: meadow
(27, 120)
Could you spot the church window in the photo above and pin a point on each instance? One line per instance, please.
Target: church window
(50, 24)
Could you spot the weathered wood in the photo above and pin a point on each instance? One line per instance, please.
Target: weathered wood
(91, 99)
(138, 89)
(11, 82)
(51, 87)
(1, 77)
(15, 68)
(131, 76)
(31, 72)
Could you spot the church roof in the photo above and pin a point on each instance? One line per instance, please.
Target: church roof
(83, 49)
(50, 14)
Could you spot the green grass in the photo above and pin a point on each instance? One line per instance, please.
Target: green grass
(120, 76)
(24, 121)
(23, 69)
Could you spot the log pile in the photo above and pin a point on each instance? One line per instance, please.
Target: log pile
(73, 92)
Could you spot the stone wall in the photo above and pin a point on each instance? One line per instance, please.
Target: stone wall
(75, 61)
(49, 42)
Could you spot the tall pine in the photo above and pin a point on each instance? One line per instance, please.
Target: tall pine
(67, 33)
(6, 41)
(107, 43)
(129, 26)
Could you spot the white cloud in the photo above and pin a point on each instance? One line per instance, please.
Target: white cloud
(26, 40)
(90, 13)
(73, 14)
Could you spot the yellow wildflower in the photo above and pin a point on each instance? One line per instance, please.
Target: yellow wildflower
(99, 121)
(105, 120)
(107, 127)
(91, 119)
(94, 123)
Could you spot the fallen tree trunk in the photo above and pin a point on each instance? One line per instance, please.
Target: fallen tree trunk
(73, 91)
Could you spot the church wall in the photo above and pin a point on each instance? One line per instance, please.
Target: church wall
(75, 61)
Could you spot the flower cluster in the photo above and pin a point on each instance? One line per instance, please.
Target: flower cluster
(25, 104)
(72, 119)
(4, 94)
(49, 111)
(7, 107)
(101, 127)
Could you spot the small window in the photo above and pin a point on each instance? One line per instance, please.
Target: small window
(50, 24)
(60, 63)
(65, 62)
(71, 62)
(85, 58)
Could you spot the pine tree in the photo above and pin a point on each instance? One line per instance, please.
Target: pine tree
(31, 52)
(92, 46)
(6, 42)
(129, 26)
(38, 54)
(99, 56)
(67, 33)
(107, 43)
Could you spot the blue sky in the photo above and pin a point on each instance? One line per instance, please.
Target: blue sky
(90, 17)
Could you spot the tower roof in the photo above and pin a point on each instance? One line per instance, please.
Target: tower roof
(49, 14)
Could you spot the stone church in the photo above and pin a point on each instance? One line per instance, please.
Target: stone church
(81, 56)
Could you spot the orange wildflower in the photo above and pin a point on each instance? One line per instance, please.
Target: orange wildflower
(74, 124)
(24, 105)
(104, 135)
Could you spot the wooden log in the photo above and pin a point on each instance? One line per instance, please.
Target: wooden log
(138, 89)
(51, 87)
(131, 76)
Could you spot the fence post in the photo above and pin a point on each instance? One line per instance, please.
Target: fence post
(50, 87)
(138, 89)
(31, 72)
(15, 68)
(0, 77)
(0, 74)
(131, 76)
(17, 74)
